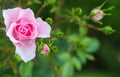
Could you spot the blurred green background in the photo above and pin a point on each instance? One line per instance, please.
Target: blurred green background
(107, 57)
(107, 62)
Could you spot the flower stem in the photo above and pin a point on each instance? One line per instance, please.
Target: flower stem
(40, 10)
(92, 27)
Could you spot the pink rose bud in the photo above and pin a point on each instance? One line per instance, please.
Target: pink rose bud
(45, 50)
(98, 14)
(23, 28)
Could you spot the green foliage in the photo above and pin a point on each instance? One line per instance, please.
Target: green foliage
(76, 62)
(77, 11)
(59, 34)
(49, 2)
(93, 45)
(37, 1)
(75, 40)
(64, 56)
(83, 31)
(73, 37)
(101, 6)
(16, 58)
(109, 8)
(26, 69)
(107, 30)
(54, 49)
(82, 57)
(67, 70)
(49, 20)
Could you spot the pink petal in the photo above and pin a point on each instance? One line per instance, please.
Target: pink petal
(27, 14)
(10, 15)
(43, 28)
(26, 51)
(45, 49)
(9, 33)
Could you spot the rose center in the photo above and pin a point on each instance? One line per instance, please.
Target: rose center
(23, 30)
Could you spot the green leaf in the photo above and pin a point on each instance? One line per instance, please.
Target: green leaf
(26, 69)
(83, 30)
(93, 45)
(109, 8)
(99, 22)
(67, 70)
(73, 37)
(102, 4)
(64, 56)
(49, 2)
(89, 44)
(89, 56)
(76, 62)
(84, 43)
(84, 56)
(81, 57)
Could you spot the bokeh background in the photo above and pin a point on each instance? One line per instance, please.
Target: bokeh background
(107, 62)
(107, 57)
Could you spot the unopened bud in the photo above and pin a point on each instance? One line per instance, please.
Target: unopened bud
(59, 34)
(97, 14)
(45, 50)
(16, 58)
(78, 11)
(54, 49)
(107, 30)
(49, 20)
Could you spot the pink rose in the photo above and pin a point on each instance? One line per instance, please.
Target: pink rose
(45, 50)
(98, 14)
(22, 28)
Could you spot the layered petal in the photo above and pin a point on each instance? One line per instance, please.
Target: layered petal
(43, 28)
(10, 15)
(27, 14)
(23, 28)
(27, 50)
(10, 33)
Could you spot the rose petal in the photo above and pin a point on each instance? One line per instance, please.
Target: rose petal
(10, 34)
(45, 49)
(26, 51)
(27, 14)
(43, 28)
(10, 15)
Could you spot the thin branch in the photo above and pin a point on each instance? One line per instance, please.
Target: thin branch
(40, 10)
(92, 27)
(57, 18)
(14, 2)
